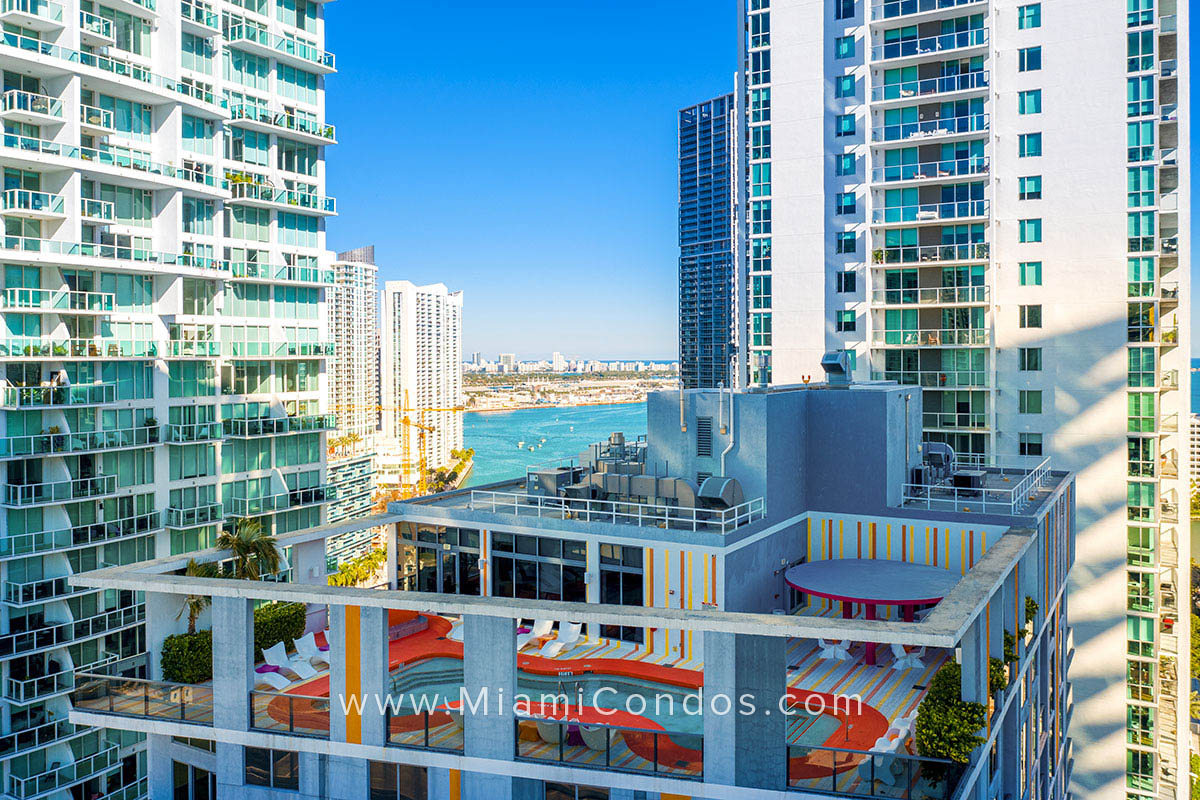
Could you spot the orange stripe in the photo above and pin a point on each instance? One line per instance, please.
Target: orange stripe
(455, 784)
(353, 653)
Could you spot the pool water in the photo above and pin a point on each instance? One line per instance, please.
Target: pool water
(427, 684)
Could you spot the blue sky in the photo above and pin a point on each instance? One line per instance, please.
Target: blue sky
(525, 153)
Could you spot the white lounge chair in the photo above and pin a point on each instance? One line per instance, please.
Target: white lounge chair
(272, 679)
(277, 656)
(880, 763)
(540, 630)
(836, 650)
(306, 647)
(903, 727)
(907, 660)
(568, 635)
(595, 737)
(551, 732)
(456, 633)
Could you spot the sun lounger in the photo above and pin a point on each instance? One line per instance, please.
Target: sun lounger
(306, 647)
(541, 629)
(568, 635)
(277, 656)
(272, 679)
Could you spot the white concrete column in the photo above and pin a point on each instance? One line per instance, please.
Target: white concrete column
(161, 612)
(376, 682)
(233, 661)
(393, 553)
(337, 671)
(489, 672)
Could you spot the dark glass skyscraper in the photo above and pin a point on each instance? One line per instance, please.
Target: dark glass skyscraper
(707, 136)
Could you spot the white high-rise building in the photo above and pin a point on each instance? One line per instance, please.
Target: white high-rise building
(354, 323)
(162, 361)
(990, 200)
(421, 376)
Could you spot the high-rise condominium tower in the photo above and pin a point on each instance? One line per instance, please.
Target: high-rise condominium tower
(163, 345)
(421, 333)
(990, 199)
(707, 137)
(354, 324)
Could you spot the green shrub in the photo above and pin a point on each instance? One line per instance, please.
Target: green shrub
(1031, 609)
(1010, 648)
(187, 657)
(946, 726)
(277, 622)
(997, 675)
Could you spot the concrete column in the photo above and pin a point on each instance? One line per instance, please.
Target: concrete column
(593, 585)
(745, 749)
(376, 682)
(308, 563)
(489, 672)
(233, 661)
(393, 552)
(346, 778)
(161, 612)
(975, 683)
(161, 772)
(337, 670)
(231, 770)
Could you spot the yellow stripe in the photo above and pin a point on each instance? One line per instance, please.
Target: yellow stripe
(455, 785)
(841, 539)
(889, 541)
(353, 662)
(962, 552)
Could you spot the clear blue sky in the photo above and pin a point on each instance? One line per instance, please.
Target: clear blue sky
(525, 152)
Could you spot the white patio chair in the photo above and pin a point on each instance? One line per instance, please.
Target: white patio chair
(540, 630)
(272, 679)
(456, 633)
(595, 737)
(907, 660)
(277, 656)
(835, 649)
(567, 637)
(880, 762)
(551, 732)
(306, 647)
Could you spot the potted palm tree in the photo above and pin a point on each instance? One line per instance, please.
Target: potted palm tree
(253, 551)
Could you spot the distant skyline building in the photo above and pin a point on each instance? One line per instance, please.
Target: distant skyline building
(354, 326)
(421, 353)
(707, 196)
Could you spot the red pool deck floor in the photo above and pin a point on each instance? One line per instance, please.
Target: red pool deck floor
(866, 725)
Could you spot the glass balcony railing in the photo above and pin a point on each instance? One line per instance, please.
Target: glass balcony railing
(62, 300)
(280, 119)
(282, 197)
(829, 770)
(622, 749)
(938, 419)
(932, 170)
(933, 128)
(273, 426)
(66, 633)
(84, 394)
(930, 212)
(17, 201)
(109, 156)
(200, 13)
(46, 444)
(39, 736)
(101, 210)
(282, 45)
(292, 714)
(35, 494)
(95, 25)
(296, 498)
(891, 9)
(928, 45)
(41, 348)
(133, 697)
(195, 516)
(192, 348)
(42, 9)
(110, 252)
(40, 591)
(29, 102)
(926, 87)
(934, 253)
(935, 379)
(32, 689)
(96, 118)
(187, 433)
(25, 544)
(957, 337)
(283, 274)
(59, 777)
(931, 295)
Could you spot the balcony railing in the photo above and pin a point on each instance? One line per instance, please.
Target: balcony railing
(46, 444)
(42, 9)
(928, 87)
(194, 517)
(282, 197)
(100, 119)
(640, 514)
(935, 379)
(281, 44)
(29, 102)
(108, 155)
(437, 731)
(932, 128)
(34, 494)
(189, 432)
(40, 348)
(133, 697)
(932, 170)
(891, 9)
(293, 714)
(1169, 112)
(40, 591)
(30, 202)
(931, 296)
(933, 253)
(201, 13)
(928, 45)
(930, 212)
(1021, 478)
(296, 498)
(63, 300)
(65, 633)
(939, 419)
(84, 394)
(97, 210)
(284, 273)
(32, 689)
(957, 337)
(269, 426)
(281, 119)
(830, 770)
(95, 25)
(192, 348)
(648, 748)
(58, 777)
(25, 544)
(40, 736)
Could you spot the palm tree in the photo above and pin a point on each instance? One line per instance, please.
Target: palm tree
(253, 550)
(194, 604)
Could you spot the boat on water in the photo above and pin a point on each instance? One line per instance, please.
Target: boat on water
(520, 445)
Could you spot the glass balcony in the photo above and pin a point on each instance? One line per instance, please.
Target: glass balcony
(110, 252)
(61, 300)
(283, 120)
(40, 348)
(303, 349)
(623, 749)
(192, 348)
(37, 14)
(971, 420)
(258, 193)
(39, 736)
(194, 517)
(17, 545)
(929, 45)
(95, 29)
(931, 254)
(14, 102)
(931, 129)
(46, 444)
(97, 121)
(932, 295)
(36, 494)
(133, 697)
(61, 777)
(828, 770)
(35, 205)
(274, 426)
(30, 690)
(97, 210)
(193, 432)
(291, 714)
(281, 274)
(276, 46)
(109, 156)
(953, 337)
(85, 394)
(892, 9)
(930, 212)
(66, 633)
(297, 498)
(927, 87)
(201, 13)
(1169, 112)
(935, 379)
(932, 170)
(40, 591)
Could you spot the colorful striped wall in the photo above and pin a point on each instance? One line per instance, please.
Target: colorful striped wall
(680, 578)
(952, 547)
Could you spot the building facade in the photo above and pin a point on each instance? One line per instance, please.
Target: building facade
(162, 360)
(918, 195)
(354, 323)
(421, 377)
(707, 169)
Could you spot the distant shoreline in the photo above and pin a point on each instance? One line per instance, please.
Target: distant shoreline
(535, 406)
